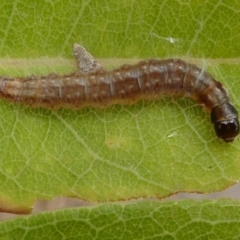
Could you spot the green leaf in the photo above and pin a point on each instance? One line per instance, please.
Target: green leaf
(144, 220)
(151, 149)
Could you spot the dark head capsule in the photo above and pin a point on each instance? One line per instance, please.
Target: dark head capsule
(225, 120)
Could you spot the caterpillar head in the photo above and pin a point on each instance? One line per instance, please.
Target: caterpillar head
(225, 120)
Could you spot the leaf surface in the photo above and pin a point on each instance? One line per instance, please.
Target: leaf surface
(186, 219)
(151, 149)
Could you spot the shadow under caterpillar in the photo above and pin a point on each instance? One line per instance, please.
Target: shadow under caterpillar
(95, 87)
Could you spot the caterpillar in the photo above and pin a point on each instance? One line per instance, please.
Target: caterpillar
(149, 79)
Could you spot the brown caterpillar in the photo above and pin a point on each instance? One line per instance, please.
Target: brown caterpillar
(146, 80)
